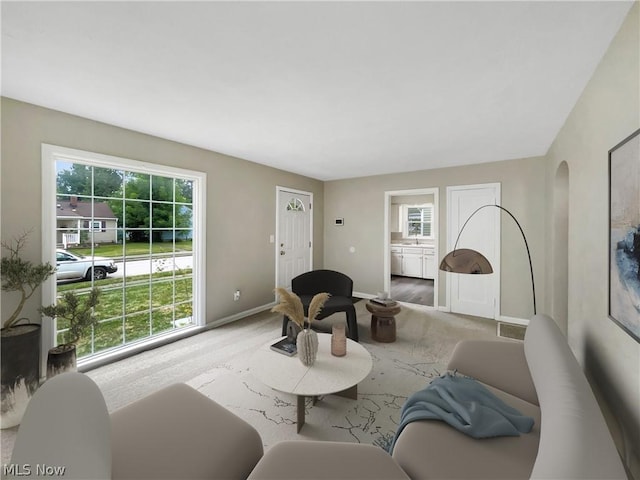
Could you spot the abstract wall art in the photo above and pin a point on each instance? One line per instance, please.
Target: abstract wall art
(624, 234)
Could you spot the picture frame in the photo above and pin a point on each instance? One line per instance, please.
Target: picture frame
(624, 235)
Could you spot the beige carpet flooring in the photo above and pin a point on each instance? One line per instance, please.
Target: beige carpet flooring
(423, 334)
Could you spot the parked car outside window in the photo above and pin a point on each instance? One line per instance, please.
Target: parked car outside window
(75, 267)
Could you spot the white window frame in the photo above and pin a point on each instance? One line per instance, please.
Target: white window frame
(404, 221)
(53, 153)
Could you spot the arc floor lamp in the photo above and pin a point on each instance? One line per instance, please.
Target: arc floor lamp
(466, 260)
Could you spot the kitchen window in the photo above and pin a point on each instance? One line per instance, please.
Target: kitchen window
(417, 221)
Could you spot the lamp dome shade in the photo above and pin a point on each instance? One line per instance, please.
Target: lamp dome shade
(465, 260)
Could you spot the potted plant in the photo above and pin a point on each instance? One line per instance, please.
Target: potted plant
(291, 306)
(78, 313)
(20, 345)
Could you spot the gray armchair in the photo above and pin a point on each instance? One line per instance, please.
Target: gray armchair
(339, 285)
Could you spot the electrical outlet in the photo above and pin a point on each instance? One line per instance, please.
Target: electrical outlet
(236, 295)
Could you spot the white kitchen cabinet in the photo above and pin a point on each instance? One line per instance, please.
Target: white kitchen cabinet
(396, 261)
(412, 262)
(428, 263)
(419, 262)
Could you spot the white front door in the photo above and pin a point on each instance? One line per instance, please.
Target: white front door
(475, 294)
(294, 250)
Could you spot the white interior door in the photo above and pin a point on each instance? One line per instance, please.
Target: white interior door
(294, 249)
(475, 294)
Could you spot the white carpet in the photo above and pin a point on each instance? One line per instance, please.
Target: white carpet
(371, 419)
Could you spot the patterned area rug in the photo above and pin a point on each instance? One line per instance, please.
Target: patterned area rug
(371, 419)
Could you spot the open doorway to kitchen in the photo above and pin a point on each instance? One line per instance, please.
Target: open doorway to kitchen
(411, 245)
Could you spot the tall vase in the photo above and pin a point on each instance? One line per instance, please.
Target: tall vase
(338, 341)
(307, 343)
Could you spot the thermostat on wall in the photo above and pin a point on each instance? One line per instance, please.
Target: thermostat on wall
(340, 221)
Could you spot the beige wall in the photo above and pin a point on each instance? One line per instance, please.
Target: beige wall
(361, 202)
(239, 254)
(606, 113)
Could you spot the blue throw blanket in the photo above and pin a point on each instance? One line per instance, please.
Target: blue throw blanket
(466, 405)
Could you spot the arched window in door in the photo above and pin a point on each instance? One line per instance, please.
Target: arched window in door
(295, 205)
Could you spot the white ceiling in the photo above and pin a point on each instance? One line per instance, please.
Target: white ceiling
(325, 89)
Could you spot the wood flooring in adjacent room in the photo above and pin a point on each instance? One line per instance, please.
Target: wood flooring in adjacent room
(412, 290)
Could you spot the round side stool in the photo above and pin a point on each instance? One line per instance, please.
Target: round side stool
(383, 321)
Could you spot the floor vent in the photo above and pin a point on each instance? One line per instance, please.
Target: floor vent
(510, 330)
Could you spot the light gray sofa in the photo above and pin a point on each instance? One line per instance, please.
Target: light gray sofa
(179, 433)
(541, 378)
(174, 433)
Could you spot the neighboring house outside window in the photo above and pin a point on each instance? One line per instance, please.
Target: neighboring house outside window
(75, 216)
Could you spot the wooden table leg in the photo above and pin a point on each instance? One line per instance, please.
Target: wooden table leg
(351, 393)
(301, 406)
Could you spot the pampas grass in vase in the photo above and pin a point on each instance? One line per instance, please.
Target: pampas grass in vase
(291, 306)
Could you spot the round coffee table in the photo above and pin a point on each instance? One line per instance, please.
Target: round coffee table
(328, 374)
(383, 321)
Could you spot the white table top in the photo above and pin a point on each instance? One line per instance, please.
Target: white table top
(328, 374)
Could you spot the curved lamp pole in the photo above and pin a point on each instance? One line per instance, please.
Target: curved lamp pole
(466, 260)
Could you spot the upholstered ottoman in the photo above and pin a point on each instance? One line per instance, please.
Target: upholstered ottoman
(312, 460)
(179, 433)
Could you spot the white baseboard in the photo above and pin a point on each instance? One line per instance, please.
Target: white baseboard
(363, 295)
(239, 315)
(513, 320)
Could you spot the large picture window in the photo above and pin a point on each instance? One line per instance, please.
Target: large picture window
(135, 231)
